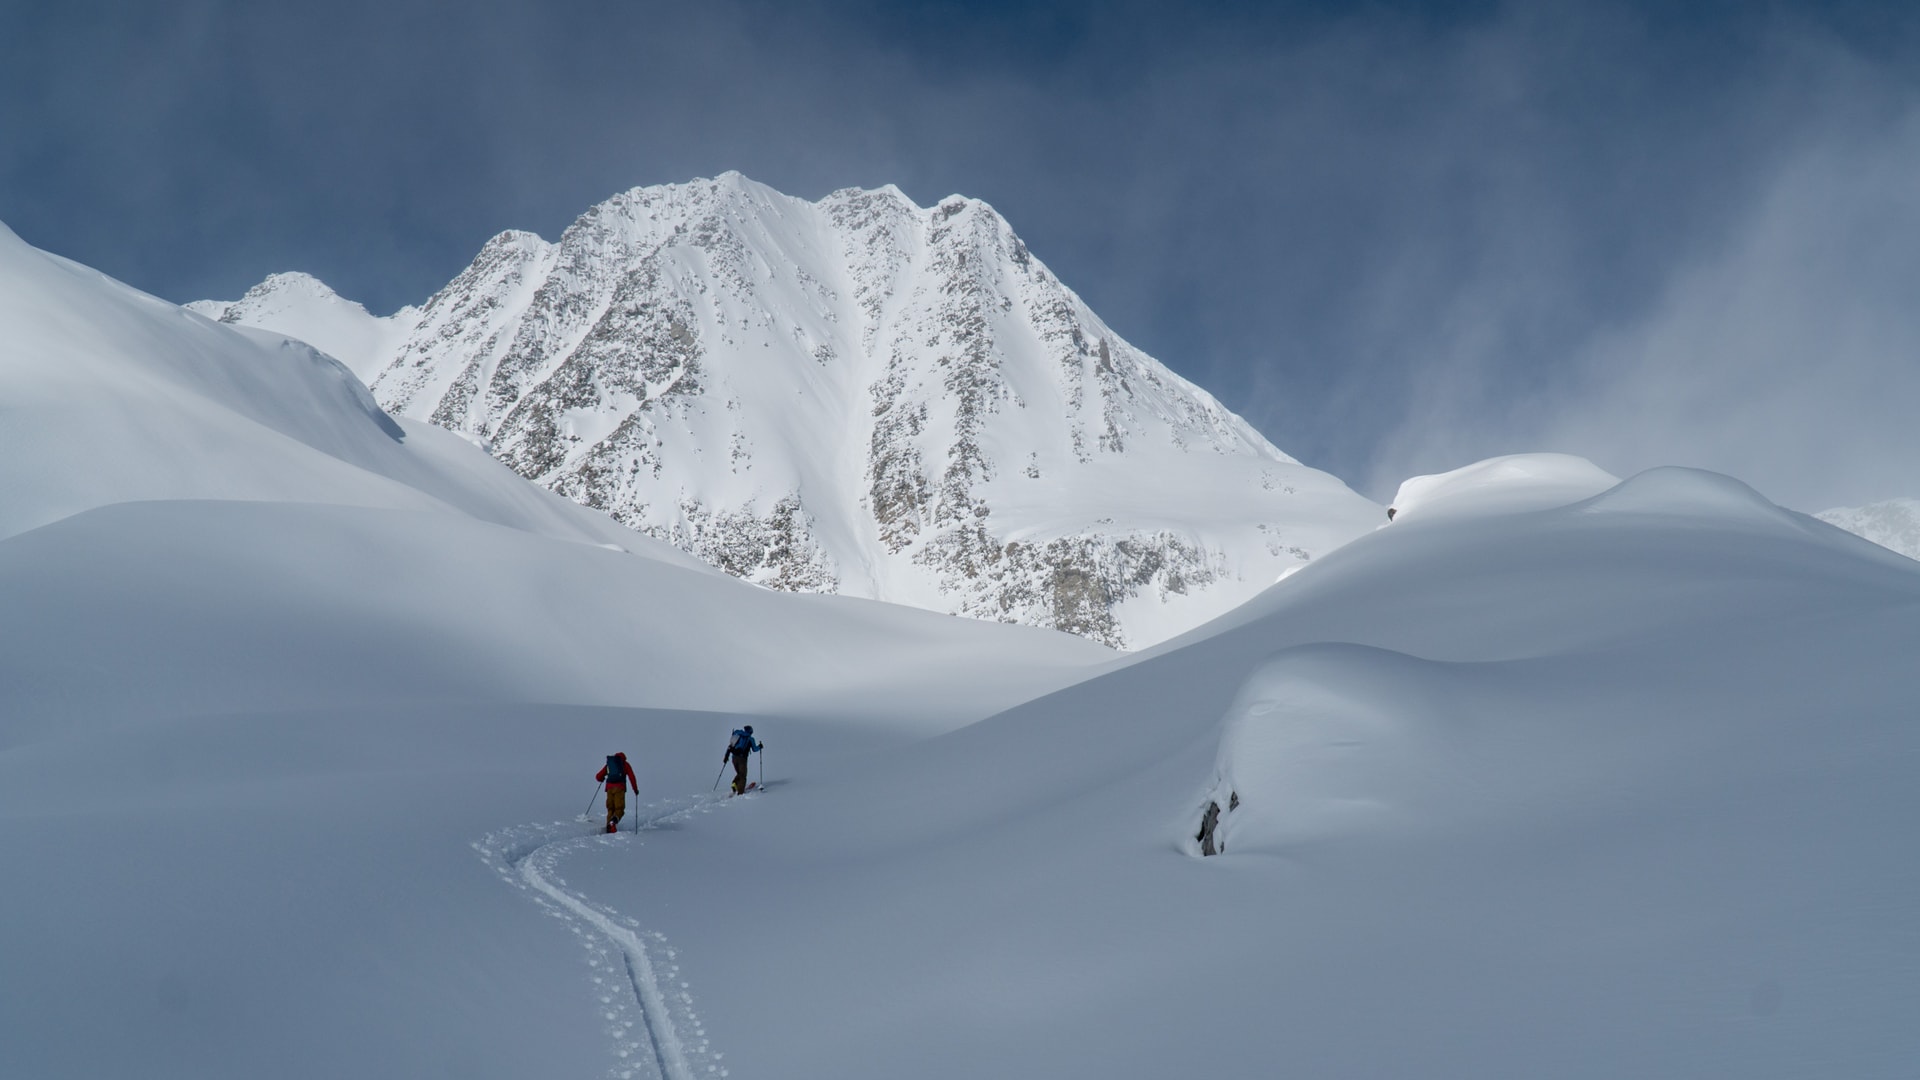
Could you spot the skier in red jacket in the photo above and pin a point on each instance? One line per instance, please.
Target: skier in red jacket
(619, 777)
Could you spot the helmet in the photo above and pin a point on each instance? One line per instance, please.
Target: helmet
(748, 729)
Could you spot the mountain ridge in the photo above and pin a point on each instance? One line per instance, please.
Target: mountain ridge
(857, 395)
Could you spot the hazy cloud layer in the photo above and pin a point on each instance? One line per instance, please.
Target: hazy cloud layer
(1398, 238)
(1790, 354)
(1766, 327)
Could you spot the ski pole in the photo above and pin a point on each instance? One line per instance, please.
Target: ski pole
(717, 776)
(595, 799)
(763, 769)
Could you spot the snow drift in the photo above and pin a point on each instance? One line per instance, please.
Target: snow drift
(1598, 790)
(1512, 483)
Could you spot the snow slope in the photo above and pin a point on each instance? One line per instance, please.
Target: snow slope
(1614, 794)
(857, 395)
(109, 395)
(273, 663)
(1610, 789)
(295, 752)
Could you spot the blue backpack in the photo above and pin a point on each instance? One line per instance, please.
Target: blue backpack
(616, 771)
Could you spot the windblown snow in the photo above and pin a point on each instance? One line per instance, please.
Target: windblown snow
(857, 395)
(1551, 776)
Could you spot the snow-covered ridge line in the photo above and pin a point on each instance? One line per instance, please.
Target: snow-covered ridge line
(306, 308)
(857, 395)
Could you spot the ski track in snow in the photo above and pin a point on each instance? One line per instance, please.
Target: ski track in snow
(648, 1010)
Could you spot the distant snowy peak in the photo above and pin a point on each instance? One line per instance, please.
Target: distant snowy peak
(858, 395)
(302, 306)
(1893, 524)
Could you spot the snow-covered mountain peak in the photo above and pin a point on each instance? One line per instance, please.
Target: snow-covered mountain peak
(861, 395)
(295, 282)
(302, 306)
(1893, 523)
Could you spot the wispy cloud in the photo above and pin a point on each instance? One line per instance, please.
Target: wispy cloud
(1771, 334)
(1789, 356)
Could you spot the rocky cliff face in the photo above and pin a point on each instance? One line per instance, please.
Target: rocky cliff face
(859, 395)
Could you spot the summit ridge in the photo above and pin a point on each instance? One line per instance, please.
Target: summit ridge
(856, 395)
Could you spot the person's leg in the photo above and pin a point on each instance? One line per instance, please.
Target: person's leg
(616, 807)
(739, 773)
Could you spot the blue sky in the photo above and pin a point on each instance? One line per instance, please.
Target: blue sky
(1396, 237)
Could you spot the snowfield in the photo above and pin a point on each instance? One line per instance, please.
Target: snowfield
(1552, 776)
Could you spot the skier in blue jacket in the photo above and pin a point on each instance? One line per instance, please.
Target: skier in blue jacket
(742, 744)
